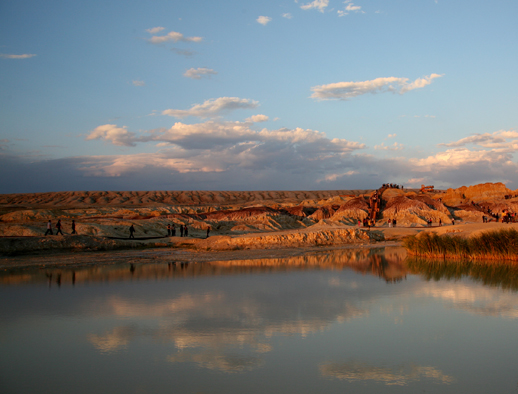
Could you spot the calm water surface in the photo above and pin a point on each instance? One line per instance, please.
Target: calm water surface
(336, 322)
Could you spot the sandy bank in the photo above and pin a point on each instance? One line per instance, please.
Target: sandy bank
(99, 250)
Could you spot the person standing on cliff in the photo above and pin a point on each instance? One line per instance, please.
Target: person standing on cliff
(49, 228)
(173, 231)
(208, 232)
(131, 230)
(186, 231)
(168, 230)
(74, 227)
(181, 230)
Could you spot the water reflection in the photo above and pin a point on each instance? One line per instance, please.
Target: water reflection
(354, 320)
(497, 274)
(387, 264)
(391, 376)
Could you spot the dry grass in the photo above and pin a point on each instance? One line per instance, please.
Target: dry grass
(494, 245)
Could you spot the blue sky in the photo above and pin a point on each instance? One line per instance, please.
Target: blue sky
(241, 95)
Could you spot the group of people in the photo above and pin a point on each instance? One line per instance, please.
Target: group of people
(508, 217)
(392, 186)
(58, 228)
(366, 223)
(171, 231)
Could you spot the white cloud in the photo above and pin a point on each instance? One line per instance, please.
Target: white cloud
(9, 56)
(197, 73)
(155, 30)
(211, 134)
(287, 15)
(350, 7)
(221, 147)
(415, 181)
(348, 90)
(502, 141)
(213, 107)
(419, 83)
(317, 4)
(392, 135)
(111, 133)
(454, 158)
(393, 147)
(263, 20)
(257, 118)
(136, 82)
(175, 37)
(334, 177)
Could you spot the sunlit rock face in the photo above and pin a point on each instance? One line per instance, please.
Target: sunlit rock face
(276, 218)
(476, 193)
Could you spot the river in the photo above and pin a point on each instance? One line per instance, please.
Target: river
(358, 321)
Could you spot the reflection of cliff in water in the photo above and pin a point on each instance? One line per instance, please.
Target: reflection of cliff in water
(386, 263)
(492, 274)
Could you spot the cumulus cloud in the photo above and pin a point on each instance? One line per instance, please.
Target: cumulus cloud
(350, 7)
(213, 107)
(10, 56)
(502, 141)
(320, 5)
(155, 30)
(393, 147)
(116, 135)
(223, 147)
(453, 158)
(287, 15)
(263, 20)
(348, 90)
(226, 146)
(233, 155)
(136, 82)
(174, 37)
(257, 118)
(213, 134)
(198, 73)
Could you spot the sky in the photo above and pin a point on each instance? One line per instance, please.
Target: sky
(257, 95)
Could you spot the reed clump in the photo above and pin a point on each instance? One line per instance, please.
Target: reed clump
(494, 245)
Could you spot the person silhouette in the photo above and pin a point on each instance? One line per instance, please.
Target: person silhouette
(49, 228)
(58, 226)
(131, 230)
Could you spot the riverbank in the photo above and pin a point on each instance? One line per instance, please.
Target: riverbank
(99, 250)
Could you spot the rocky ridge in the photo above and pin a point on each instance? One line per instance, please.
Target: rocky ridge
(240, 219)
